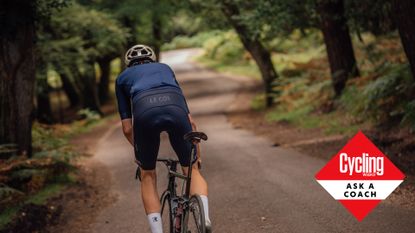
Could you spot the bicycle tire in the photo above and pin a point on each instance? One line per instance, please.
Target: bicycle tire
(195, 219)
(166, 212)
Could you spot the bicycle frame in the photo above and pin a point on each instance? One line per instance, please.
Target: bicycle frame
(179, 204)
(173, 174)
(182, 201)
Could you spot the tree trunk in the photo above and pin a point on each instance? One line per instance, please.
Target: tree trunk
(157, 37)
(43, 108)
(68, 85)
(338, 43)
(121, 56)
(253, 45)
(404, 16)
(104, 81)
(17, 75)
(70, 89)
(89, 89)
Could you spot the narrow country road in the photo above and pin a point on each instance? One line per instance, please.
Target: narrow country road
(253, 187)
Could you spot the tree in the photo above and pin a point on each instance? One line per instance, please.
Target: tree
(147, 26)
(404, 16)
(370, 16)
(338, 43)
(104, 79)
(76, 39)
(43, 106)
(253, 45)
(17, 73)
(281, 17)
(70, 84)
(17, 68)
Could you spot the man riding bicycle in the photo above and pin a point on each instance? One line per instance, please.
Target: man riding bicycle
(150, 101)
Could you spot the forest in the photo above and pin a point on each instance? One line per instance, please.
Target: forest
(337, 65)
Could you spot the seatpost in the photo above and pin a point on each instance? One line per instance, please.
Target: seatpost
(189, 172)
(173, 168)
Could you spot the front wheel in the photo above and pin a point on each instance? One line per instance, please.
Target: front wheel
(195, 216)
(166, 212)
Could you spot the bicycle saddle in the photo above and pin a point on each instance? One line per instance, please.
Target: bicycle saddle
(195, 136)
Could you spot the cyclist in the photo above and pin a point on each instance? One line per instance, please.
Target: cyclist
(150, 101)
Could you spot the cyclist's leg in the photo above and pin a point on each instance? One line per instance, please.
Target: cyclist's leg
(199, 186)
(183, 149)
(151, 200)
(146, 144)
(149, 192)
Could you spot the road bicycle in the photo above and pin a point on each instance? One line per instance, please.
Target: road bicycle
(182, 213)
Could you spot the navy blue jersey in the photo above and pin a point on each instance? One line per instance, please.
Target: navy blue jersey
(140, 78)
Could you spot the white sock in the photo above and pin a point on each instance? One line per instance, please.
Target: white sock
(205, 206)
(154, 219)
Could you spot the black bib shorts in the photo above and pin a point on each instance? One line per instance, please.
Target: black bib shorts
(154, 111)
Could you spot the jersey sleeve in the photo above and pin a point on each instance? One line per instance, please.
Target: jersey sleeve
(124, 101)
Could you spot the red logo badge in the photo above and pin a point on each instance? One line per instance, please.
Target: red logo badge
(360, 176)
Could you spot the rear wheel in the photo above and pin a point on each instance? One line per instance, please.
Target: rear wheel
(166, 212)
(195, 216)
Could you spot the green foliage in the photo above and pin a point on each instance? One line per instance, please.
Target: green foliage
(300, 116)
(45, 8)
(299, 96)
(89, 116)
(34, 183)
(7, 215)
(143, 18)
(353, 100)
(258, 102)
(24, 174)
(389, 96)
(46, 139)
(46, 193)
(409, 114)
(7, 194)
(247, 69)
(40, 198)
(279, 17)
(76, 34)
(208, 11)
(225, 47)
(182, 24)
(180, 42)
(371, 15)
(297, 42)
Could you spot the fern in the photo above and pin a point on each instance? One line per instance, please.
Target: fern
(389, 96)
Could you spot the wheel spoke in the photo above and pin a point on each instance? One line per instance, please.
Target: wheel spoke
(196, 222)
(166, 213)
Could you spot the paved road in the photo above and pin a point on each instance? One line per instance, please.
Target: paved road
(253, 186)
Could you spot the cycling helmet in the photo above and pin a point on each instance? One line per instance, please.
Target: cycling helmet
(139, 52)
